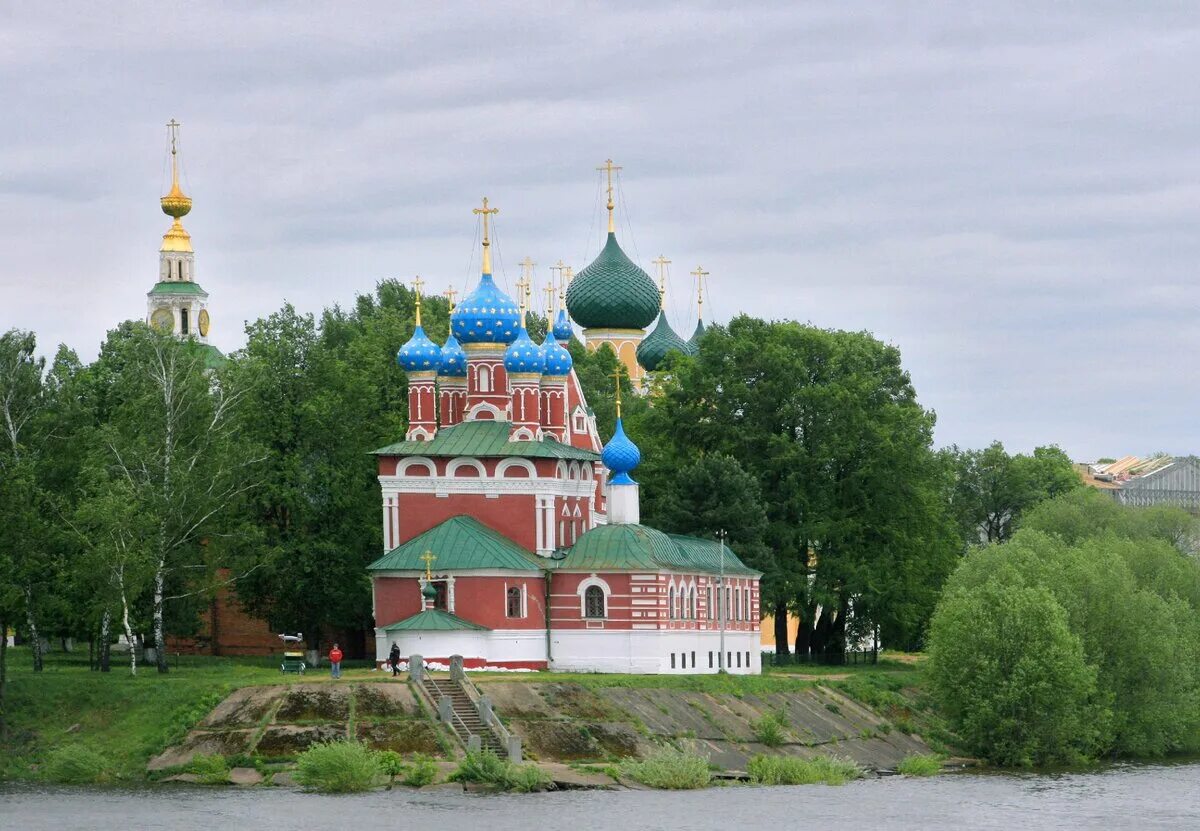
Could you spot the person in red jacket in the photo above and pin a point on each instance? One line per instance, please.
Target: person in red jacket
(335, 661)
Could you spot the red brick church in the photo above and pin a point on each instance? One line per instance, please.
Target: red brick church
(511, 535)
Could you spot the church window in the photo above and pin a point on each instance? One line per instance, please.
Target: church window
(747, 659)
(710, 664)
(746, 594)
(671, 603)
(485, 379)
(514, 601)
(183, 321)
(672, 660)
(440, 596)
(593, 602)
(693, 660)
(708, 604)
(739, 660)
(694, 609)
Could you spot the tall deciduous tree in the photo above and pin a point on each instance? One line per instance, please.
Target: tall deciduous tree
(829, 424)
(172, 440)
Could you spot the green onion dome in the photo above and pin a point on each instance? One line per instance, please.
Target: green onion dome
(658, 343)
(693, 343)
(613, 292)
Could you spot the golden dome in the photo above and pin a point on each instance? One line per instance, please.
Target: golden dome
(176, 203)
(176, 238)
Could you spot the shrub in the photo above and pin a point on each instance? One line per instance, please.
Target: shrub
(337, 767)
(422, 772)
(75, 764)
(487, 768)
(920, 764)
(1011, 676)
(391, 764)
(670, 769)
(789, 770)
(768, 730)
(212, 770)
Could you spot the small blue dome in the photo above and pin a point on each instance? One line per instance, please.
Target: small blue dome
(621, 456)
(562, 326)
(486, 315)
(420, 354)
(454, 359)
(558, 359)
(523, 355)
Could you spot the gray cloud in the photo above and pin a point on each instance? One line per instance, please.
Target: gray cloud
(1007, 193)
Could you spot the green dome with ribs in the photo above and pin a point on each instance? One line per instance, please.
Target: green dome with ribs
(658, 343)
(613, 292)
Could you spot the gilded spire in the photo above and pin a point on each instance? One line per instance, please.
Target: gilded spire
(568, 274)
(486, 212)
(522, 293)
(549, 292)
(699, 274)
(608, 167)
(417, 284)
(176, 204)
(617, 378)
(450, 294)
(661, 264)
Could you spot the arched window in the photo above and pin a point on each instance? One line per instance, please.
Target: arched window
(708, 604)
(671, 603)
(513, 601)
(593, 602)
(485, 379)
(695, 616)
(746, 592)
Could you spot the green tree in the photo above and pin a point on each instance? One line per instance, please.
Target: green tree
(990, 488)
(1006, 669)
(829, 424)
(172, 437)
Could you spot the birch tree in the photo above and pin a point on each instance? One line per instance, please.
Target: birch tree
(172, 441)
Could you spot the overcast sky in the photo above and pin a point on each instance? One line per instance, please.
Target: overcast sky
(1009, 195)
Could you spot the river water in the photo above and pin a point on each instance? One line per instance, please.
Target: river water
(1124, 797)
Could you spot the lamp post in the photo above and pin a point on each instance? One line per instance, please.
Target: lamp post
(721, 668)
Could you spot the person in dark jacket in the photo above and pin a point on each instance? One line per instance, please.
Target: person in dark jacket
(394, 660)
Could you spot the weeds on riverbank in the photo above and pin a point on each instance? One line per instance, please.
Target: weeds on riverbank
(486, 768)
(920, 764)
(74, 764)
(769, 729)
(337, 767)
(212, 770)
(789, 770)
(670, 769)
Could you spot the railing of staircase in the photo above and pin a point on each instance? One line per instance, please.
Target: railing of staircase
(483, 706)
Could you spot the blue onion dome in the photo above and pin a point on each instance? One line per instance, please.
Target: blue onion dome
(486, 315)
(620, 456)
(658, 343)
(420, 354)
(693, 343)
(558, 359)
(612, 292)
(454, 359)
(562, 326)
(523, 355)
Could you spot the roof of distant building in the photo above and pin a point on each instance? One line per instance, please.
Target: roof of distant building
(434, 620)
(460, 543)
(488, 439)
(629, 547)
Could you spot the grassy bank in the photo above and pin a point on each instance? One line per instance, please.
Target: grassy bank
(68, 716)
(123, 719)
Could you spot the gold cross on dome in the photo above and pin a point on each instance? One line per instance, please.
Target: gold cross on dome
(417, 285)
(173, 127)
(450, 294)
(549, 292)
(527, 265)
(617, 378)
(608, 167)
(699, 274)
(522, 291)
(486, 212)
(428, 557)
(661, 264)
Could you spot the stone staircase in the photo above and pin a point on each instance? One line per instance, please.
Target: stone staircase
(465, 721)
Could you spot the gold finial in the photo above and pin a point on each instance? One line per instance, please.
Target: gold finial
(527, 265)
(417, 285)
(699, 274)
(661, 263)
(549, 292)
(556, 278)
(176, 203)
(522, 290)
(608, 167)
(617, 377)
(485, 211)
(450, 294)
(428, 557)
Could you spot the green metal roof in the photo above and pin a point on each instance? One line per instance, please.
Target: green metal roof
(613, 292)
(434, 620)
(176, 288)
(213, 357)
(485, 438)
(461, 542)
(627, 547)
